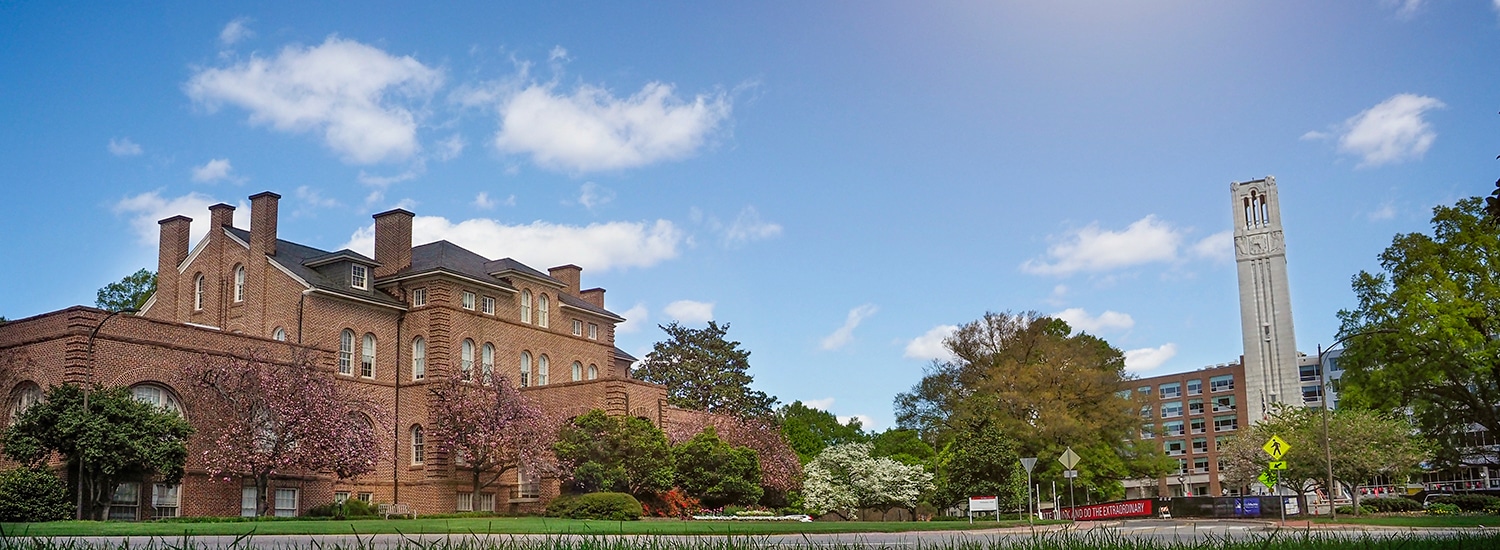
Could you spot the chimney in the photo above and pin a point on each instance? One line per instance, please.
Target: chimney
(392, 241)
(173, 249)
(263, 223)
(569, 275)
(593, 296)
(220, 215)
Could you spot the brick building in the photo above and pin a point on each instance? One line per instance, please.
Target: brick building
(387, 326)
(1192, 415)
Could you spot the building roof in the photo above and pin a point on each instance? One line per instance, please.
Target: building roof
(294, 258)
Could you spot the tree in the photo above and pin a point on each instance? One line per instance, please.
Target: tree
(810, 430)
(980, 460)
(904, 446)
(129, 293)
(597, 452)
(703, 371)
(261, 418)
(715, 472)
(119, 439)
(1365, 446)
(844, 478)
(1031, 379)
(780, 469)
(490, 428)
(1429, 332)
(33, 494)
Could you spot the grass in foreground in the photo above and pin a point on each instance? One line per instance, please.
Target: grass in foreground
(1417, 521)
(522, 525)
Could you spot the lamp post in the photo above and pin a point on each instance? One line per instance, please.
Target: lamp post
(1333, 513)
(1182, 481)
(85, 386)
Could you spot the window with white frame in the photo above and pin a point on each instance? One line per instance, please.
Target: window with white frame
(466, 361)
(158, 396)
(593, 372)
(286, 503)
(1171, 409)
(1148, 431)
(487, 363)
(1200, 465)
(249, 502)
(23, 397)
(239, 282)
(367, 497)
(465, 502)
(1198, 426)
(486, 502)
(1172, 428)
(198, 292)
(1195, 387)
(418, 450)
(526, 306)
(1226, 423)
(359, 277)
(279, 334)
(418, 358)
(1175, 448)
(577, 371)
(1221, 383)
(346, 352)
(1200, 445)
(525, 369)
(528, 483)
(1169, 391)
(468, 300)
(367, 357)
(593, 331)
(577, 328)
(340, 497)
(487, 305)
(125, 504)
(542, 366)
(543, 311)
(419, 297)
(165, 500)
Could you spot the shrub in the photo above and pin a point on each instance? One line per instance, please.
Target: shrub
(1390, 504)
(671, 504)
(610, 506)
(1442, 509)
(350, 508)
(33, 494)
(1469, 502)
(1349, 510)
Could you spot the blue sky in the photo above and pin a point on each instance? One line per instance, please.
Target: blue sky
(839, 181)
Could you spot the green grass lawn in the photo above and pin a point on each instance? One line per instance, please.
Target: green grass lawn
(523, 525)
(1418, 520)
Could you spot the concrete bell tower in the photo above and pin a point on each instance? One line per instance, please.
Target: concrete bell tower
(1265, 302)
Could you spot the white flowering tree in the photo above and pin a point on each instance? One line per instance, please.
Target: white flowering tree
(844, 478)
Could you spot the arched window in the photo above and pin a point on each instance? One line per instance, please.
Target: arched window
(239, 282)
(367, 359)
(542, 311)
(418, 452)
(541, 370)
(198, 292)
(418, 358)
(593, 372)
(487, 363)
(525, 306)
(279, 334)
(158, 396)
(525, 368)
(23, 397)
(346, 352)
(577, 371)
(466, 364)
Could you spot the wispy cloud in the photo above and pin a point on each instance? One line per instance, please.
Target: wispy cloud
(929, 345)
(592, 195)
(346, 90)
(636, 318)
(310, 197)
(599, 246)
(1391, 132)
(689, 311)
(748, 226)
(1145, 359)
(235, 31)
(1386, 210)
(123, 147)
(145, 209)
(1093, 249)
(450, 148)
(1080, 319)
(845, 334)
(483, 201)
(1405, 9)
(1218, 247)
(820, 404)
(216, 170)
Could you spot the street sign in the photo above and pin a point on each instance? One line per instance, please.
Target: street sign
(1276, 447)
(1070, 473)
(1069, 459)
(1278, 465)
(984, 504)
(1029, 463)
(1265, 479)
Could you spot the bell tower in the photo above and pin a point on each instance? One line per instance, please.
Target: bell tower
(1265, 303)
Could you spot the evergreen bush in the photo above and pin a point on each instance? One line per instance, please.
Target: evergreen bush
(33, 494)
(1469, 502)
(1390, 504)
(609, 506)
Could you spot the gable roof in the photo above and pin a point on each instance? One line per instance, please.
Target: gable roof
(293, 258)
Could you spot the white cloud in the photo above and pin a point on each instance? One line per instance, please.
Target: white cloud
(689, 311)
(123, 147)
(635, 318)
(483, 201)
(311, 197)
(450, 148)
(1390, 132)
(1314, 135)
(1387, 210)
(1405, 9)
(1145, 359)
(845, 334)
(145, 209)
(599, 246)
(1081, 320)
(558, 53)
(930, 345)
(748, 227)
(342, 88)
(820, 404)
(592, 130)
(235, 31)
(1218, 247)
(373, 180)
(216, 170)
(1092, 249)
(593, 195)
(865, 421)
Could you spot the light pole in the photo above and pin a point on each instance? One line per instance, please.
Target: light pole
(85, 386)
(1333, 514)
(1182, 481)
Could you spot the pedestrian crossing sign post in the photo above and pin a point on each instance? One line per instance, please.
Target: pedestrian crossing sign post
(1265, 479)
(1277, 465)
(1276, 447)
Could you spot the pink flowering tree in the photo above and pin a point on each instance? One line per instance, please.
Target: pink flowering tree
(491, 428)
(780, 469)
(259, 418)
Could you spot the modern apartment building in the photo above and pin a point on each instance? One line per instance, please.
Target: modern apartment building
(1191, 415)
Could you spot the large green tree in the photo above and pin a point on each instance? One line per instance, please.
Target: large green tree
(128, 293)
(811, 430)
(704, 371)
(717, 473)
(597, 452)
(1429, 332)
(118, 438)
(904, 446)
(980, 461)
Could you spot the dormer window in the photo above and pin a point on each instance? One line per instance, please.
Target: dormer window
(419, 297)
(359, 277)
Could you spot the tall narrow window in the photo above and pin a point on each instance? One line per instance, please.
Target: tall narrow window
(487, 363)
(346, 352)
(279, 334)
(577, 371)
(577, 328)
(593, 372)
(359, 277)
(593, 331)
(487, 305)
(367, 359)
(418, 451)
(1248, 217)
(525, 306)
(419, 297)
(542, 366)
(239, 283)
(466, 361)
(542, 311)
(525, 369)
(418, 358)
(468, 300)
(1265, 211)
(198, 292)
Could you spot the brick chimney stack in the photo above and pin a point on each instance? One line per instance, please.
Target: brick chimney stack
(263, 207)
(220, 215)
(392, 241)
(171, 251)
(593, 296)
(569, 275)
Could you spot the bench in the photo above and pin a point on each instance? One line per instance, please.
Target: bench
(397, 509)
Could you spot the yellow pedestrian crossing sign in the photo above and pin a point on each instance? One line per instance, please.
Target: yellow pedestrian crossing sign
(1276, 447)
(1265, 479)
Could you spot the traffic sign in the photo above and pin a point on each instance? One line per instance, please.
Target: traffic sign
(1278, 465)
(1069, 459)
(1265, 479)
(1070, 473)
(1276, 447)
(1029, 463)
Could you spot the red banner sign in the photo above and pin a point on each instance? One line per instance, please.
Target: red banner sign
(1110, 510)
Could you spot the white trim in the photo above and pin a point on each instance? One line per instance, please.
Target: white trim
(353, 298)
(236, 239)
(288, 272)
(199, 325)
(611, 317)
(192, 255)
(149, 302)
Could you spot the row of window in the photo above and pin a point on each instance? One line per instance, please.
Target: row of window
(1197, 426)
(466, 365)
(470, 300)
(1194, 387)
